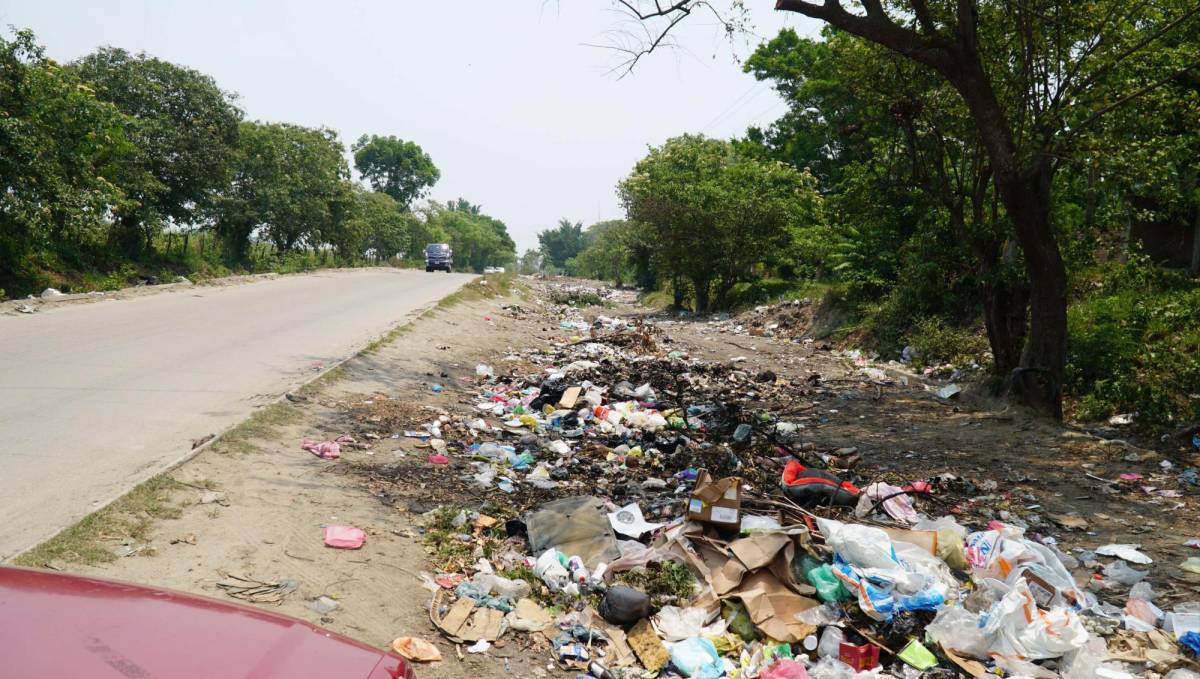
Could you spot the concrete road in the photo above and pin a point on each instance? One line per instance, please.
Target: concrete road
(95, 398)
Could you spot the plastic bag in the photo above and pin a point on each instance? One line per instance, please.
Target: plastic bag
(866, 563)
(958, 629)
(550, 569)
(831, 668)
(697, 657)
(344, 537)
(831, 642)
(869, 549)
(676, 624)
(785, 669)
(1016, 628)
(624, 605)
(1119, 571)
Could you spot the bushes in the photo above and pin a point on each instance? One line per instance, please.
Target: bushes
(1135, 344)
(936, 341)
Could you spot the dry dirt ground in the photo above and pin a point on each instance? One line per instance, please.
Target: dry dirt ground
(275, 498)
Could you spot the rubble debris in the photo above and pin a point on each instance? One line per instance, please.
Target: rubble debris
(657, 510)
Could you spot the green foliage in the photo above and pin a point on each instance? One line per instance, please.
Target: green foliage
(1135, 344)
(58, 151)
(562, 243)
(938, 342)
(718, 217)
(290, 185)
(396, 167)
(184, 133)
(378, 228)
(608, 251)
(97, 159)
(668, 583)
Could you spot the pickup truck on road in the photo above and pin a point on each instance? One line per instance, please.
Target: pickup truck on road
(438, 256)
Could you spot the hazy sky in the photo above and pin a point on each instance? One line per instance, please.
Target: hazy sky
(517, 110)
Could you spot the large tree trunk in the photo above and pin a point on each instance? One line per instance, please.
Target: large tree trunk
(700, 288)
(1038, 379)
(1004, 309)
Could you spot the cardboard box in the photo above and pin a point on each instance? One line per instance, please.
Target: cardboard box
(716, 502)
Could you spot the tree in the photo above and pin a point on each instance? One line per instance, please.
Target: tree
(58, 149)
(1032, 77)
(184, 130)
(290, 183)
(561, 243)
(530, 262)
(879, 125)
(714, 214)
(396, 167)
(608, 252)
(385, 224)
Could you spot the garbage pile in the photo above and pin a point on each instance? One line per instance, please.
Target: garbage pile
(663, 516)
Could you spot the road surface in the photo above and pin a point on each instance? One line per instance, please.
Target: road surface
(95, 398)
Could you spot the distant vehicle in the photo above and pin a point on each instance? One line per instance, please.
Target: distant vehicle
(438, 256)
(494, 269)
(59, 625)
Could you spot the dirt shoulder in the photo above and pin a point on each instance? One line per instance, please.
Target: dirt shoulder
(255, 504)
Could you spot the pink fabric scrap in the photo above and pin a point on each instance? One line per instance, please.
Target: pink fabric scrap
(344, 537)
(328, 450)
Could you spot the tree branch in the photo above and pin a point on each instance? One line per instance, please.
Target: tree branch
(924, 17)
(877, 27)
(1128, 98)
(1133, 49)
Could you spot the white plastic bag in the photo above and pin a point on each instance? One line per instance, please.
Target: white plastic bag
(869, 549)
(958, 629)
(1016, 628)
(676, 624)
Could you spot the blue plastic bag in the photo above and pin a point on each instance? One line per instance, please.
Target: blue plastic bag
(697, 657)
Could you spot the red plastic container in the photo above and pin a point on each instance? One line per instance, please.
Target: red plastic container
(861, 658)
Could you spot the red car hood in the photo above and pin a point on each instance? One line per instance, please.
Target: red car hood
(56, 625)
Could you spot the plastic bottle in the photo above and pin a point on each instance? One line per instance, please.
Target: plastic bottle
(579, 572)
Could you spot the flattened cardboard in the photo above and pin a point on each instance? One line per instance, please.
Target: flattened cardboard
(773, 607)
(618, 645)
(569, 397)
(465, 622)
(716, 502)
(646, 644)
(759, 549)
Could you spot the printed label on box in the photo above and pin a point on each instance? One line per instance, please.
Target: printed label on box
(696, 505)
(724, 515)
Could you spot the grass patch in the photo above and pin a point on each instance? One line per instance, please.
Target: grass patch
(668, 583)
(130, 517)
(262, 424)
(486, 287)
(333, 375)
(388, 338)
